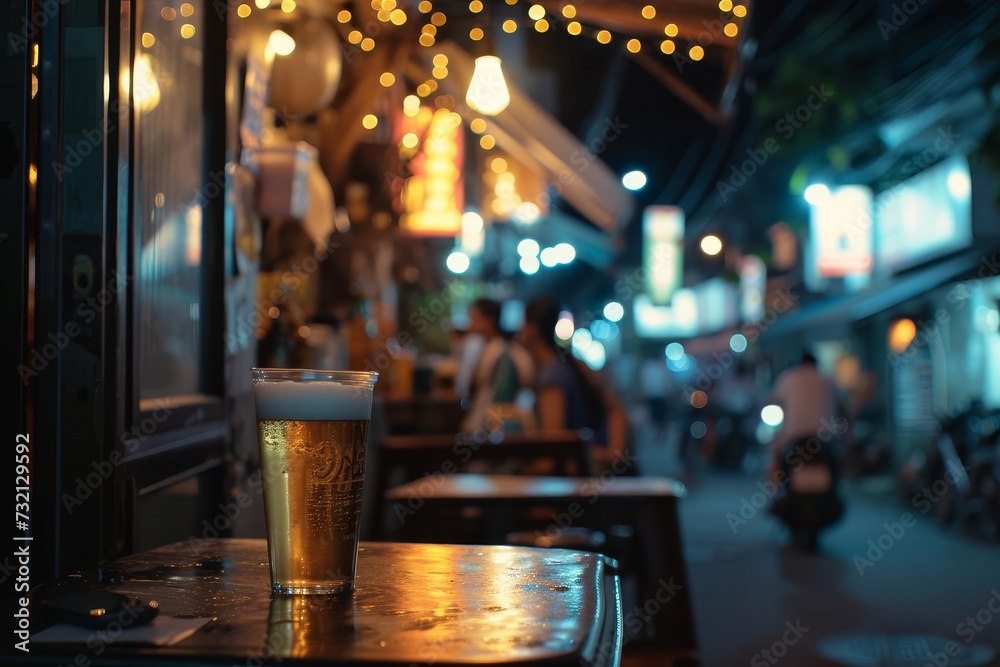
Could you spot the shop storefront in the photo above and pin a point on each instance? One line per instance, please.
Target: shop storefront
(914, 340)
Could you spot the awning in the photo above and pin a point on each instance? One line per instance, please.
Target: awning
(833, 311)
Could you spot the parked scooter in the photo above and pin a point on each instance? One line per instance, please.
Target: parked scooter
(982, 507)
(956, 476)
(868, 451)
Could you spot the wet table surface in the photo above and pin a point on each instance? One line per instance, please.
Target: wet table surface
(426, 509)
(422, 604)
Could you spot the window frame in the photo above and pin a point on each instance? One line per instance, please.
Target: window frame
(189, 431)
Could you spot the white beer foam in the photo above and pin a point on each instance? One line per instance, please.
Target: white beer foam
(311, 401)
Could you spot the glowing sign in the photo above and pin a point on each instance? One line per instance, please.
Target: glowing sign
(678, 319)
(511, 191)
(841, 232)
(926, 216)
(753, 287)
(717, 304)
(663, 259)
(433, 197)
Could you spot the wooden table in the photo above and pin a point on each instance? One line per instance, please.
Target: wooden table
(422, 414)
(401, 459)
(432, 509)
(415, 604)
(431, 453)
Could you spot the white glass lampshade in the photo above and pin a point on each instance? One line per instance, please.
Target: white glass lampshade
(147, 89)
(281, 43)
(487, 93)
(306, 80)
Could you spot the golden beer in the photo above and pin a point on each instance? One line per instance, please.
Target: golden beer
(313, 438)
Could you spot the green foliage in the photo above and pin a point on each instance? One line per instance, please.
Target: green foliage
(731, 276)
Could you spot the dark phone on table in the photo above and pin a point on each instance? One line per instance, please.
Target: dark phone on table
(93, 609)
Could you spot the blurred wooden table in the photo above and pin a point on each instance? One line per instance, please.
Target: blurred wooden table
(401, 459)
(432, 509)
(422, 414)
(414, 604)
(448, 453)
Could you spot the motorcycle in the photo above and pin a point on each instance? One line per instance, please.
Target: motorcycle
(868, 450)
(984, 488)
(808, 499)
(957, 476)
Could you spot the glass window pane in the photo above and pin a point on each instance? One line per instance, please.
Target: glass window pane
(167, 98)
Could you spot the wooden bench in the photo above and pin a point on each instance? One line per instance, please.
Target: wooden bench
(431, 509)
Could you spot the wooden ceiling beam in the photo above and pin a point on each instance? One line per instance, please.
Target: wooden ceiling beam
(685, 92)
(340, 127)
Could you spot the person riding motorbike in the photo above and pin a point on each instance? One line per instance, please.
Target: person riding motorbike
(805, 464)
(810, 407)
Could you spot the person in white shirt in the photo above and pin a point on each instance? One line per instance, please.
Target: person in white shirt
(810, 404)
(503, 370)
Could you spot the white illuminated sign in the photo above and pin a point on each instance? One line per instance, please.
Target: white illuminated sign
(680, 319)
(841, 232)
(753, 287)
(926, 216)
(662, 262)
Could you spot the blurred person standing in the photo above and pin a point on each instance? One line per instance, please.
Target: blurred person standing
(466, 349)
(502, 370)
(567, 394)
(736, 392)
(657, 386)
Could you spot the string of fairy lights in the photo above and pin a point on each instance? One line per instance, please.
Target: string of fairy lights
(542, 20)
(362, 33)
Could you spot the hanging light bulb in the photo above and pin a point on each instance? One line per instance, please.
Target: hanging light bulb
(147, 90)
(281, 43)
(487, 92)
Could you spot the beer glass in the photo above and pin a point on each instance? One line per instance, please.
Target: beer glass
(312, 429)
